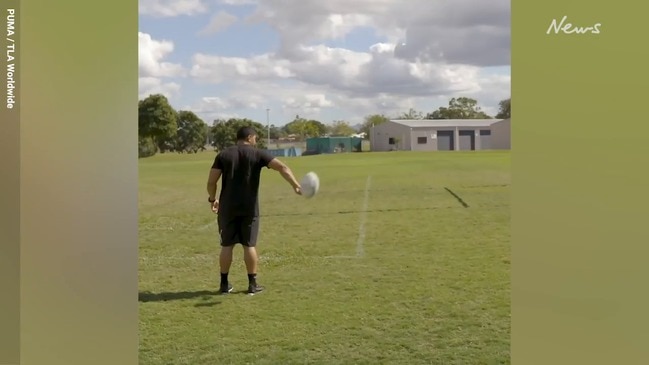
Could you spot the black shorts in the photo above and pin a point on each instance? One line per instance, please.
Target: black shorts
(238, 229)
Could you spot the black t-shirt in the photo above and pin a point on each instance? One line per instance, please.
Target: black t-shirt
(241, 168)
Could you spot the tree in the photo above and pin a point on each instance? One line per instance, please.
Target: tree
(276, 132)
(157, 120)
(191, 134)
(370, 121)
(411, 114)
(340, 128)
(317, 128)
(166, 144)
(224, 133)
(459, 108)
(505, 109)
(305, 128)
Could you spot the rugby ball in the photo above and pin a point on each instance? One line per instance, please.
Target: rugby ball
(310, 185)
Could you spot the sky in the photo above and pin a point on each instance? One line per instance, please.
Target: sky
(324, 60)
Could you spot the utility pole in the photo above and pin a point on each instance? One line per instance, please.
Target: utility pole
(268, 124)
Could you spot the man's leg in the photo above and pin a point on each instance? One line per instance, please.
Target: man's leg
(225, 261)
(251, 259)
(249, 232)
(228, 233)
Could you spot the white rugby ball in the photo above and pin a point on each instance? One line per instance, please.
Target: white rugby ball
(310, 185)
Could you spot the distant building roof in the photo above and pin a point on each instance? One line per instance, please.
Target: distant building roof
(333, 137)
(446, 123)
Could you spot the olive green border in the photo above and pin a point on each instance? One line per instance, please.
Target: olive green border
(10, 183)
(579, 200)
(78, 192)
(578, 203)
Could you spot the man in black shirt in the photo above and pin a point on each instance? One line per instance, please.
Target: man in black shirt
(240, 167)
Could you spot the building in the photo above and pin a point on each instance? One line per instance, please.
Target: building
(442, 135)
(319, 145)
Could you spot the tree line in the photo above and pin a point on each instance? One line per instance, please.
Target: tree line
(163, 129)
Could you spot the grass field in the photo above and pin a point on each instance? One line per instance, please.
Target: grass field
(402, 258)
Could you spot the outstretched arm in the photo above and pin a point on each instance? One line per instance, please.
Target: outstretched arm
(286, 173)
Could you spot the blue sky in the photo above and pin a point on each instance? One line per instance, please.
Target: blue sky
(326, 61)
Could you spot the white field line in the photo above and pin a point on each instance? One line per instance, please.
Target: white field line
(360, 242)
(360, 250)
(215, 223)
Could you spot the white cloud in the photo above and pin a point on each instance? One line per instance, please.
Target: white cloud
(172, 8)
(215, 107)
(471, 32)
(307, 103)
(357, 82)
(492, 90)
(219, 22)
(429, 52)
(215, 103)
(153, 70)
(238, 2)
(151, 54)
(153, 85)
(358, 74)
(218, 69)
(210, 108)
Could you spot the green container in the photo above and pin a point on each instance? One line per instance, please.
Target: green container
(334, 144)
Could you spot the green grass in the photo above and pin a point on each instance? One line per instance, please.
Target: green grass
(432, 285)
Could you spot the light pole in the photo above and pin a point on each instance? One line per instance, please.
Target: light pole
(268, 124)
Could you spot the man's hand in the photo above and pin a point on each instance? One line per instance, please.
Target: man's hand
(286, 173)
(215, 207)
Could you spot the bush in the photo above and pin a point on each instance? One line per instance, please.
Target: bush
(146, 147)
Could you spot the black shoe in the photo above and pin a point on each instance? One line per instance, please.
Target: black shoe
(226, 288)
(254, 289)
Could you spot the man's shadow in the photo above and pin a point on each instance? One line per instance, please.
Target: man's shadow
(205, 295)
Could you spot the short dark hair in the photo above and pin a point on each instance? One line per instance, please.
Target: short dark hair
(245, 132)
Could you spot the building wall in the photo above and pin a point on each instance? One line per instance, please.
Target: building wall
(407, 139)
(466, 142)
(501, 135)
(380, 135)
(476, 132)
(429, 134)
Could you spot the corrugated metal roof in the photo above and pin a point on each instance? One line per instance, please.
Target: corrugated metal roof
(446, 123)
